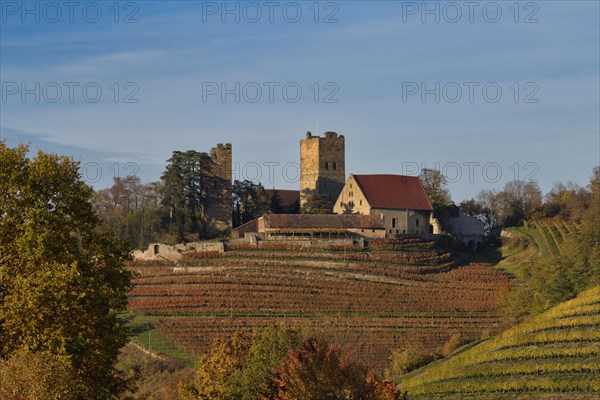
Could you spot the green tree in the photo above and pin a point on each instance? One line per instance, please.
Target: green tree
(436, 187)
(250, 201)
(184, 192)
(314, 203)
(60, 280)
(268, 348)
(275, 206)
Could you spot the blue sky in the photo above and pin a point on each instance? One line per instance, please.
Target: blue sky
(368, 61)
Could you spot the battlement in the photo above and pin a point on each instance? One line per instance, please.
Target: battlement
(220, 150)
(327, 135)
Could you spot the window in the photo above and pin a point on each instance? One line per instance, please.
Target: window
(393, 222)
(334, 165)
(351, 194)
(326, 165)
(360, 202)
(417, 221)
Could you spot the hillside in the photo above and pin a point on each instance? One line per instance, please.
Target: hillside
(395, 294)
(548, 355)
(538, 239)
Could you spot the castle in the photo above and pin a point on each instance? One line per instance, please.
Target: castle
(363, 206)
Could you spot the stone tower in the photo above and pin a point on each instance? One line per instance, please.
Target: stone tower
(322, 166)
(219, 181)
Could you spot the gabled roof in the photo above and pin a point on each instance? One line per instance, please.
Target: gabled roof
(394, 191)
(332, 221)
(287, 197)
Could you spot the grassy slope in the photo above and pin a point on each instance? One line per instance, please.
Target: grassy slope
(157, 377)
(527, 244)
(143, 332)
(524, 247)
(554, 352)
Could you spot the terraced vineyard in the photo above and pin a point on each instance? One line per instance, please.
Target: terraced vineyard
(548, 234)
(396, 293)
(554, 354)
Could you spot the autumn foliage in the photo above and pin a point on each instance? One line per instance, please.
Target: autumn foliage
(60, 283)
(275, 365)
(320, 370)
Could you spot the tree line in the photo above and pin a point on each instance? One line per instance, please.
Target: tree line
(172, 210)
(518, 201)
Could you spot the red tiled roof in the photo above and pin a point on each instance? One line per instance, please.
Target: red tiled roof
(334, 221)
(287, 197)
(394, 191)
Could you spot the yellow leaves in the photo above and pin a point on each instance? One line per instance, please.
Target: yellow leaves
(39, 376)
(59, 277)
